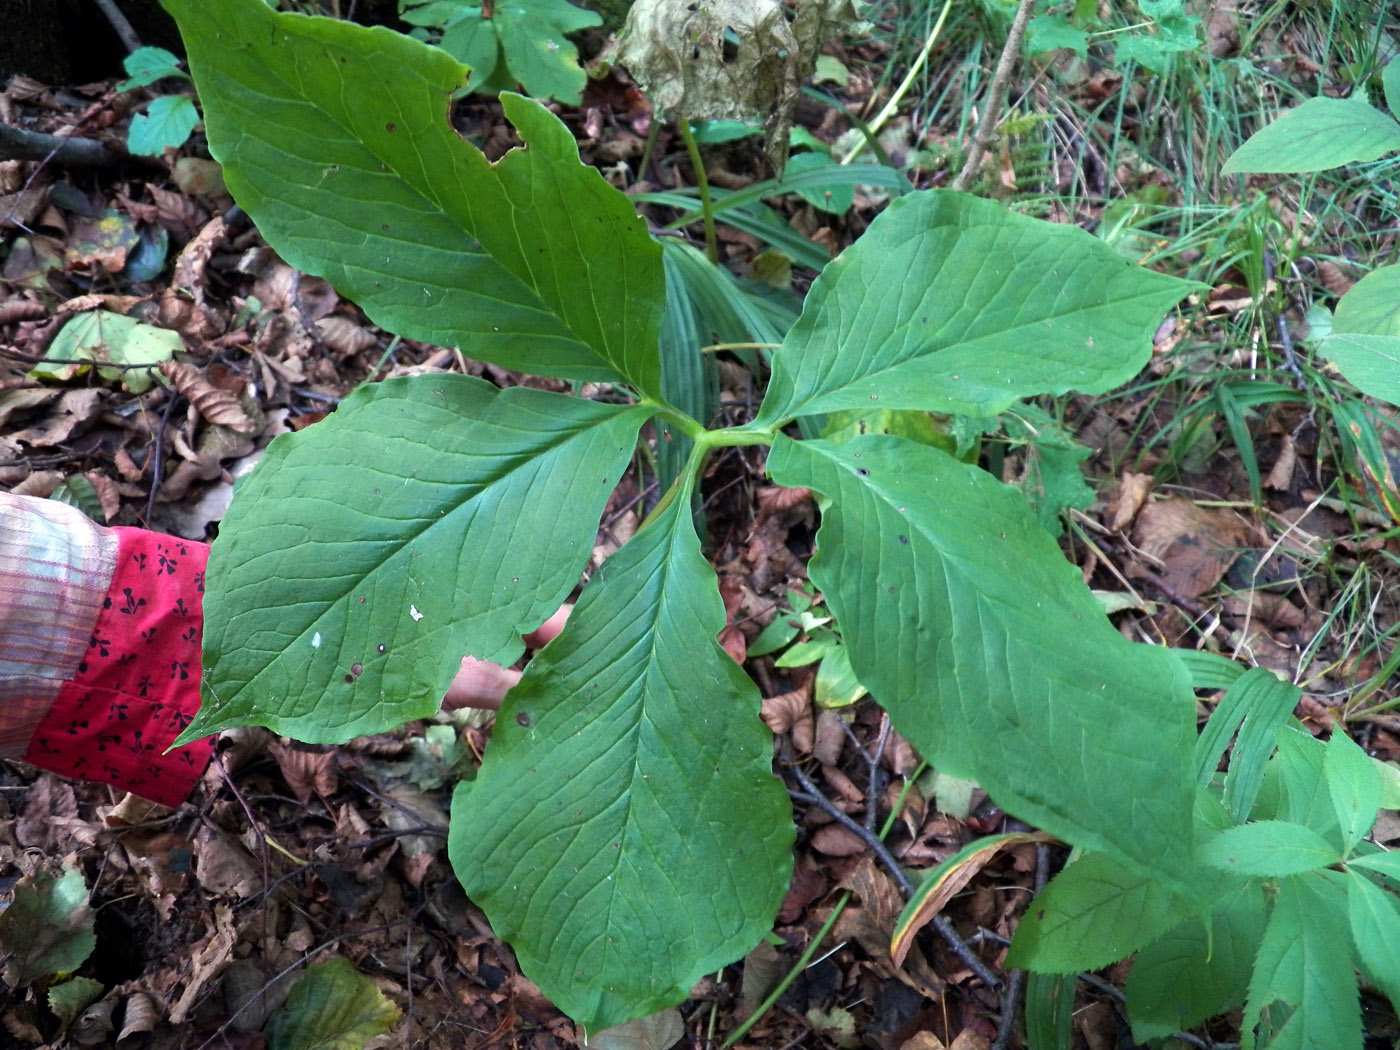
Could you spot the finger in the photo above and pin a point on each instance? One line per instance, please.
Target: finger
(549, 629)
(479, 684)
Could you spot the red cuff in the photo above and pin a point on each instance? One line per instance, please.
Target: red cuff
(138, 686)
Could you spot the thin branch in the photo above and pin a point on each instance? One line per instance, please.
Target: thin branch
(18, 144)
(985, 134)
(128, 36)
(812, 795)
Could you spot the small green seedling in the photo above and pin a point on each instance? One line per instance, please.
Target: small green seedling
(807, 634)
(168, 120)
(508, 43)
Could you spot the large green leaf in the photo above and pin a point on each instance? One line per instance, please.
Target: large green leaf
(1195, 972)
(626, 833)
(427, 518)
(951, 303)
(964, 620)
(1303, 991)
(335, 140)
(1095, 912)
(1321, 133)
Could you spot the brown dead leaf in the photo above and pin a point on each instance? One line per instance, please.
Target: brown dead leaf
(345, 336)
(223, 866)
(1280, 476)
(206, 963)
(306, 772)
(47, 802)
(830, 737)
(1132, 493)
(216, 406)
(139, 1015)
(75, 410)
(103, 241)
(836, 841)
(204, 463)
(1195, 545)
(773, 499)
(16, 310)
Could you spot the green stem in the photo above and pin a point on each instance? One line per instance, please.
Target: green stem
(811, 949)
(707, 211)
(893, 104)
(791, 976)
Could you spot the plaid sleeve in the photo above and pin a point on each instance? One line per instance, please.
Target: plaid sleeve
(100, 659)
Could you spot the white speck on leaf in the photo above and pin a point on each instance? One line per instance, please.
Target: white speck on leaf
(316, 640)
(413, 611)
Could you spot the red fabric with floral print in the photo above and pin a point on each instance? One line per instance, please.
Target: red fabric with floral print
(138, 686)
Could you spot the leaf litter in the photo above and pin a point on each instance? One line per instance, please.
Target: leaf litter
(288, 859)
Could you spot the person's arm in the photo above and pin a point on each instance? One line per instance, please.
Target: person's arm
(99, 649)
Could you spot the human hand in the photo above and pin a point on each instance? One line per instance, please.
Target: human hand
(480, 683)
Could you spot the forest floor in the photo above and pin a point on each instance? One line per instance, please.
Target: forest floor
(1277, 550)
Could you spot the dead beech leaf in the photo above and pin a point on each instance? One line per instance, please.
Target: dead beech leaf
(1280, 476)
(223, 866)
(307, 773)
(214, 405)
(774, 499)
(1195, 545)
(1132, 493)
(780, 713)
(139, 1015)
(206, 963)
(835, 841)
(830, 737)
(67, 419)
(17, 310)
(344, 336)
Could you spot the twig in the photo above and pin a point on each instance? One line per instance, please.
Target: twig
(812, 795)
(128, 36)
(985, 134)
(18, 144)
(1285, 337)
(158, 457)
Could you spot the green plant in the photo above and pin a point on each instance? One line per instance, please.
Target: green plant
(169, 120)
(507, 43)
(806, 633)
(625, 831)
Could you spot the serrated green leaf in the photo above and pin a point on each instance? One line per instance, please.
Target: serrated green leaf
(1354, 785)
(69, 998)
(656, 847)
(48, 927)
(1269, 848)
(1194, 972)
(1321, 133)
(146, 65)
(964, 619)
(532, 262)
(332, 1007)
(1096, 911)
(1298, 768)
(1303, 994)
(538, 53)
(951, 303)
(167, 121)
(1385, 863)
(473, 41)
(1050, 32)
(1375, 930)
(427, 518)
